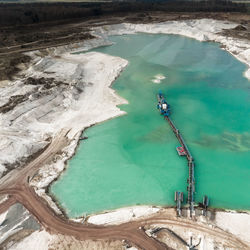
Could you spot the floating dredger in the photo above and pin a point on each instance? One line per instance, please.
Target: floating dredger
(163, 106)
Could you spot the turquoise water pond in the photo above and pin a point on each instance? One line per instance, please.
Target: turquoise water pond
(132, 159)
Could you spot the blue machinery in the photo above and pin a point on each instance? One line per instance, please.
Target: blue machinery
(163, 106)
(164, 109)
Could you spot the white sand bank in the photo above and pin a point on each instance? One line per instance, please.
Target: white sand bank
(42, 240)
(94, 72)
(235, 223)
(201, 30)
(82, 101)
(122, 215)
(3, 217)
(39, 240)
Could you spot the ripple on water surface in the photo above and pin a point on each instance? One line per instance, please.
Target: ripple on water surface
(132, 159)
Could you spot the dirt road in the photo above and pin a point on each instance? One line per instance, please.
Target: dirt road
(21, 176)
(17, 186)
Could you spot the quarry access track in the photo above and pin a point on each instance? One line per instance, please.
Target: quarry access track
(16, 185)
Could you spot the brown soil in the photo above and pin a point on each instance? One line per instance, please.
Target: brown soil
(8, 64)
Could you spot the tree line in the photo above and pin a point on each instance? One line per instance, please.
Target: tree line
(28, 13)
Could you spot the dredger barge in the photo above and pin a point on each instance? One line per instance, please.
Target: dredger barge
(164, 109)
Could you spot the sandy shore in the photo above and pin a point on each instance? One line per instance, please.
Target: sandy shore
(82, 97)
(201, 30)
